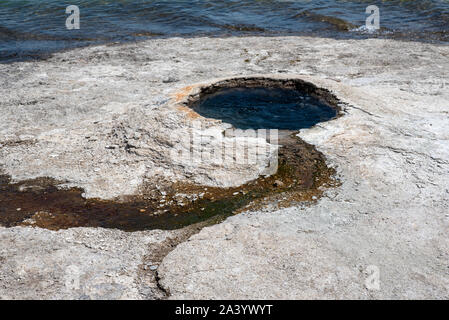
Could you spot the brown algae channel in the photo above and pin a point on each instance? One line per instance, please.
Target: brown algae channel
(302, 172)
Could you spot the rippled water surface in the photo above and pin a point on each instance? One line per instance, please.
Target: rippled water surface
(29, 28)
(265, 108)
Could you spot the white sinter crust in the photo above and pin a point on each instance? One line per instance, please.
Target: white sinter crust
(70, 117)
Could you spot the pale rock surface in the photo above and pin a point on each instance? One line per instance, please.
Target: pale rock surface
(70, 117)
(80, 263)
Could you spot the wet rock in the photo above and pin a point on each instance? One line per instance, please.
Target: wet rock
(278, 183)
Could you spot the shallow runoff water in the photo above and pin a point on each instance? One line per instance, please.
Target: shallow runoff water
(31, 28)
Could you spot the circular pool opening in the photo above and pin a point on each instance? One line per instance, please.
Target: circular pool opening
(280, 105)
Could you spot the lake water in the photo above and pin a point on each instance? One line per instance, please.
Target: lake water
(30, 28)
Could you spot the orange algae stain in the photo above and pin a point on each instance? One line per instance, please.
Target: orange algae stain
(180, 97)
(189, 112)
(183, 93)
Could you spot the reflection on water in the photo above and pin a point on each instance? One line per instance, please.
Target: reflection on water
(29, 27)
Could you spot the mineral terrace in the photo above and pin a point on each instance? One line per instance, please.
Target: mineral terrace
(102, 119)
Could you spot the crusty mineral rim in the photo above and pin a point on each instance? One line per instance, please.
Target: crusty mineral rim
(185, 97)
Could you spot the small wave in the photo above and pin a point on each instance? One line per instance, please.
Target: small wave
(371, 31)
(339, 24)
(242, 28)
(9, 34)
(145, 34)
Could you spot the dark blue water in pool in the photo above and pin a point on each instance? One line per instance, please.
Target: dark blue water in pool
(265, 108)
(29, 28)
